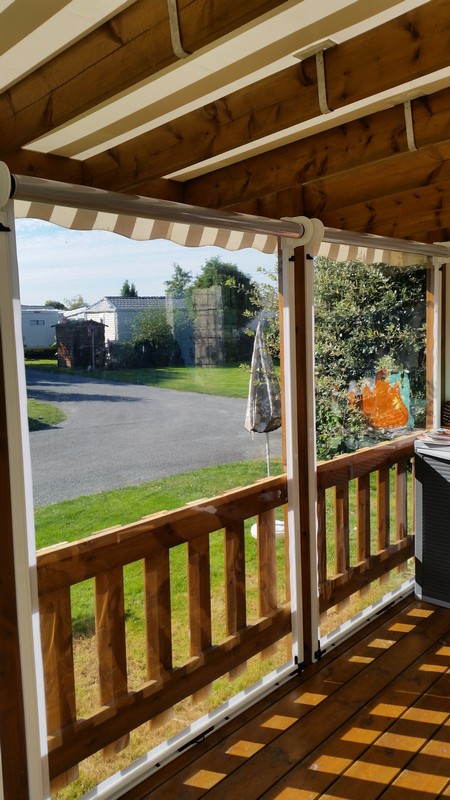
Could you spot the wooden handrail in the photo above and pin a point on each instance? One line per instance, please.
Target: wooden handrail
(369, 563)
(102, 558)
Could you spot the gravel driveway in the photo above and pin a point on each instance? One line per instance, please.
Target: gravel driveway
(119, 434)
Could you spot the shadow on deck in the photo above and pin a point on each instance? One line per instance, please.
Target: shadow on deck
(372, 720)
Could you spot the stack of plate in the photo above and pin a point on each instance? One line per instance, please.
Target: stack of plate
(440, 437)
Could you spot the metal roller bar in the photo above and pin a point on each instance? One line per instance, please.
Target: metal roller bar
(40, 190)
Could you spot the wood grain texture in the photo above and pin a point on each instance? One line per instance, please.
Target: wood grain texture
(267, 563)
(235, 594)
(111, 645)
(67, 564)
(122, 52)
(12, 714)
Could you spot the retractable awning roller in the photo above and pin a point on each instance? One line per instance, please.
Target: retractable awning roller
(86, 208)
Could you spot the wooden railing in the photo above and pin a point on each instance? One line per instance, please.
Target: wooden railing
(101, 559)
(364, 550)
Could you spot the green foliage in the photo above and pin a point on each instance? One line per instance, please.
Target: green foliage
(367, 317)
(121, 356)
(153, 340)
(77, 301)
(39, 353)
(55, 304)
(264, 298)
(181, 279)
(128, 290)
(216, 272)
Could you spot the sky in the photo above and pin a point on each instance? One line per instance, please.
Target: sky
(55, 263)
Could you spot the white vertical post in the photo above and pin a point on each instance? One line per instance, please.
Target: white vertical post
(437, 341)
(291, 434)
(291, 437)
(311, 428)
(22, 511)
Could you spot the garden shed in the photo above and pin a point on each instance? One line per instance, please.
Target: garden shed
(300, 129)
(80, 344)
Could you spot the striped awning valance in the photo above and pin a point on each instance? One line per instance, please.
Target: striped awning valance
(188, 235)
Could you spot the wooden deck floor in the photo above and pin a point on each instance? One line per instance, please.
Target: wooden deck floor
(371, 721)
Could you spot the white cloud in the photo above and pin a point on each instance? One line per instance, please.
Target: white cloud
(55, 263)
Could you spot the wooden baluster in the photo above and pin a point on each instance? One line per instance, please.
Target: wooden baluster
(158, 623)
(341, 529)
(267, 563)
(111, 646)
(341, 534)
(236, 612)
(401, 503)
(199, 583)
(59, 676)
(321, 536)
(383, 509)
(383, 513)
(267, 570)
(363, 521)
(235, 598)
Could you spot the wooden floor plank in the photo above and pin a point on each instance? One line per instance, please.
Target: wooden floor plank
(376, 726)
(375, 711)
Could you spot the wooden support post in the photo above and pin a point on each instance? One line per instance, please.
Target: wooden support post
(12, 715)
(57, 649)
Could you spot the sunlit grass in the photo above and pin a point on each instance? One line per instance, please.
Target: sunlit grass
(229, 381)
(43, 415)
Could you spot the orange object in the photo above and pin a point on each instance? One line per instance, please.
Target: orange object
(383, 405)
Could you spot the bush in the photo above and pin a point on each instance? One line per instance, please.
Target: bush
(39, 353)
(121, 355)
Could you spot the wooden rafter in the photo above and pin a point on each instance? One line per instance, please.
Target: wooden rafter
(283, 100)
(369, 140)
(127, 49)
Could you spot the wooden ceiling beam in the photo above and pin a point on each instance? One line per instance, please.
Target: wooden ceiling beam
(414, 169)
(285, 99)
(377, 138)
(122, 52)
(412, 205)
(431, 226)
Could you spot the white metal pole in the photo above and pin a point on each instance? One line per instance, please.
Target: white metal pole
(437, 342)
(291, 437)
(22, 511)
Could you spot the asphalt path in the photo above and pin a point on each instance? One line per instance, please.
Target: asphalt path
(118, 434)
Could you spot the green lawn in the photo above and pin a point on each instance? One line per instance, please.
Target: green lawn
(43, 415)
(230, 381)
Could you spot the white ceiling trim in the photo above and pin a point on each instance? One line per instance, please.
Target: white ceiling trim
(218, 69)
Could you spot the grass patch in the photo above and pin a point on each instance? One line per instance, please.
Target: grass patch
(230, 381)
(43, 415)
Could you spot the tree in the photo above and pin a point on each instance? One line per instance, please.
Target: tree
(55, 304)
(128, 290)
(153, 339)
(216, 272)
(77, 301)
(265, 301)
(181, 279)
(368, 317)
